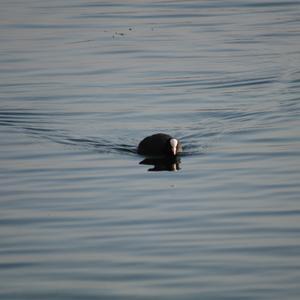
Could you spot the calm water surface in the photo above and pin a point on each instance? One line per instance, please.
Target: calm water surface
(82, 82)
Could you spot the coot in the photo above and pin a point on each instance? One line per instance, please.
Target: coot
(159, 144)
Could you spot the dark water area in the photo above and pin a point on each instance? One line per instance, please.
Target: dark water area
(82, 82)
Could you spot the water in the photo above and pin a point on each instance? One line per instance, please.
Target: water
(82, 82)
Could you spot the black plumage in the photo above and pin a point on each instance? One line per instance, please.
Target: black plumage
(159, 144)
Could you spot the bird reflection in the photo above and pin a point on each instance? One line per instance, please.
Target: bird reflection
(162, 164)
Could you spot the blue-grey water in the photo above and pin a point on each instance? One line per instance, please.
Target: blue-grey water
(82, 82)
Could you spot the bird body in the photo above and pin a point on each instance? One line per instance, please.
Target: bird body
(160, 144)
